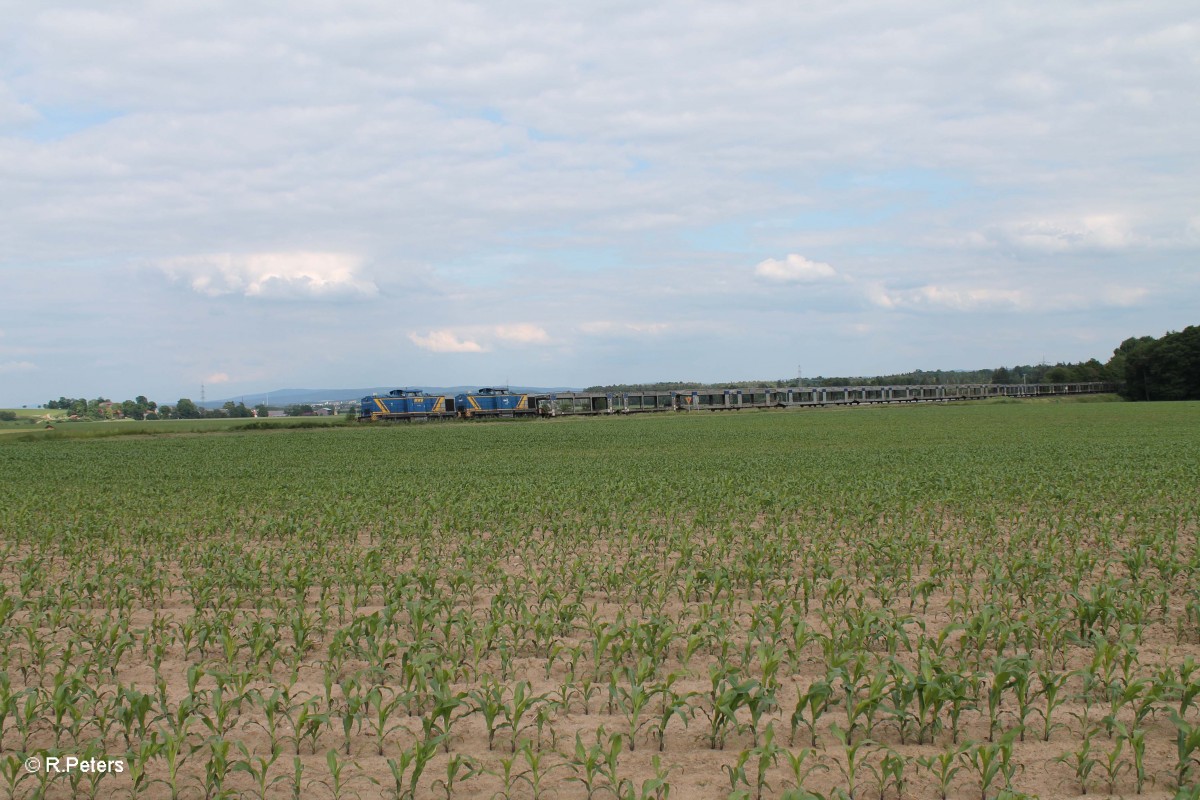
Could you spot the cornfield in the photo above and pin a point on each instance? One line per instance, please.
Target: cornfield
(956, 602)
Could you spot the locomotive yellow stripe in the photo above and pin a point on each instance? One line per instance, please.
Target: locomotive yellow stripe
(382, 407)
(474, 405)
(439, 405)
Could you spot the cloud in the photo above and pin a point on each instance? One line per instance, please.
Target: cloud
(1058, 235)
(1045, 298)
(7, 367)
(480, 338)
(523, 333)
(1124, 296)
(13, 112)
(794, 269)
(445, 341)
(294, 275)
(217, 377)
(612, 328)
(957, 299)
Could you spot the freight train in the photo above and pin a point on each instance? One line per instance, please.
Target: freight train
(413, 404)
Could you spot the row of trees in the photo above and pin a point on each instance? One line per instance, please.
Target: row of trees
(103, 408)
(187, 409)
(140, 408)
(1160, 369)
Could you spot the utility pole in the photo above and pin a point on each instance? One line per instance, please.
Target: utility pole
(201, 395)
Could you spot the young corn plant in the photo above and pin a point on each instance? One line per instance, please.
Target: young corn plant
(338, 784)
(800, 769)
(764, 756)
(1081, 760)
(216, 767)
(655, 787)
(992, 761)
(726, 698)
(635, 702)
(488, 702)
(511, 777)
(671, 704)
(811, 704)
(459, 769)
(891, 774)
(1113, 764)
(443, 708)
(137, 760)
(1051, 691)
(1187, 751)
(594, 766)
(517, 712)
(258, 768)
(854, 756)
(539, 768)
(944, 766)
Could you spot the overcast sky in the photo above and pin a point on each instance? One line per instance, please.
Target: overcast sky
(315, 194)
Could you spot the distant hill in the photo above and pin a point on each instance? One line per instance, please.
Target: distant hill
(284, 397)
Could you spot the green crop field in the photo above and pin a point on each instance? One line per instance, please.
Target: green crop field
(128, 427)
(965, 601)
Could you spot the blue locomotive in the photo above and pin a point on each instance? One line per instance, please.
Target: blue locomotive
(488, 402)
(406, 404)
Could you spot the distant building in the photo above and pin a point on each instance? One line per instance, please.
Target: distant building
(276, 413)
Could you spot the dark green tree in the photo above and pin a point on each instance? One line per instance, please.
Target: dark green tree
(1160, 369)
(186, 409)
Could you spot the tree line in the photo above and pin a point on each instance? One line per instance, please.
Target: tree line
(1160, 369)
(141, 408)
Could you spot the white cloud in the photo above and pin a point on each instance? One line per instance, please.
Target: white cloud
(1045, 298)
(217, 377)
(794, 269)
(1057, 235)
(13, 112)
(522, 333)
(273, 275)
(480, 338)
(445, 341)
(955, 298)
(611, 328)
(1124, 296)
(7, 367)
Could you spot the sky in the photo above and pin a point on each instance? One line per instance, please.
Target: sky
(252, 196)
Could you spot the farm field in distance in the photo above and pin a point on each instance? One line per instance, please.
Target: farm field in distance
(964, 601)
